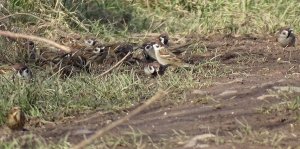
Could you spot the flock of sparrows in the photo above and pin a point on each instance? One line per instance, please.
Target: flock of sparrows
(88, 52)
(156, 54)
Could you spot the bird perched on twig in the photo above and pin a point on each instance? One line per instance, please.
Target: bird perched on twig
(16, 118)
(286, 37)
(165, 57)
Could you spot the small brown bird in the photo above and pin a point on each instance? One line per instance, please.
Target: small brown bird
(148, 51)
(164, 39)
(69, 39)
(147, 46)
(96, 54)
(16, 119)
(165, 57)
(286, 37)
(22, 71)
(154, 69)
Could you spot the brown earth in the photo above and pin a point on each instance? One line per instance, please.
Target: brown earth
(246, 109)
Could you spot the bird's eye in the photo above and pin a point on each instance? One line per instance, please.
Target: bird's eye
(148, 47)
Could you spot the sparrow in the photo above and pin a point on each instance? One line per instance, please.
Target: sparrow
(69, 39)
(165, 57)
(149, 54)
(22, 71)
(164, 39)
(16, 119)
(286, 37)
(154, 69)
(96, 54)
(148, 50)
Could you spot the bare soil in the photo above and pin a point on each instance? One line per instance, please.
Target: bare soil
(262, 70)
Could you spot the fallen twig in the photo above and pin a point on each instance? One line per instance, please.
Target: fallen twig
(31, 37)
(118, 63)
(114, 124)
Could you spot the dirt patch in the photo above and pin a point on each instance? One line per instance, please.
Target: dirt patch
(241, 107)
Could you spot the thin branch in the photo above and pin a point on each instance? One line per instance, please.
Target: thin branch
(111, 68)
(31, 37)
(114, 124)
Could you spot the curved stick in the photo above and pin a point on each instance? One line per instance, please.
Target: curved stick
(31, 37)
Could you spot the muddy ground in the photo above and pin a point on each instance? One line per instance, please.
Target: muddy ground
(253, 107)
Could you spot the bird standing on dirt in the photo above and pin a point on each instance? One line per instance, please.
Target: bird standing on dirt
(286, 37)
(147, 47)
(164, 39)
(165, 57)
(154, 69)
(16, 119)
(148, 51)
(95, 54)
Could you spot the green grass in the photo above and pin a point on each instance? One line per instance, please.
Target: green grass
(34, 142)
(246, 134)
(105, 18)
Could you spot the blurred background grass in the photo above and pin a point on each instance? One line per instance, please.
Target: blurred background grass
(113, 18)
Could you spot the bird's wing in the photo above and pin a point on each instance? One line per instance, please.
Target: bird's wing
(165, 54)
